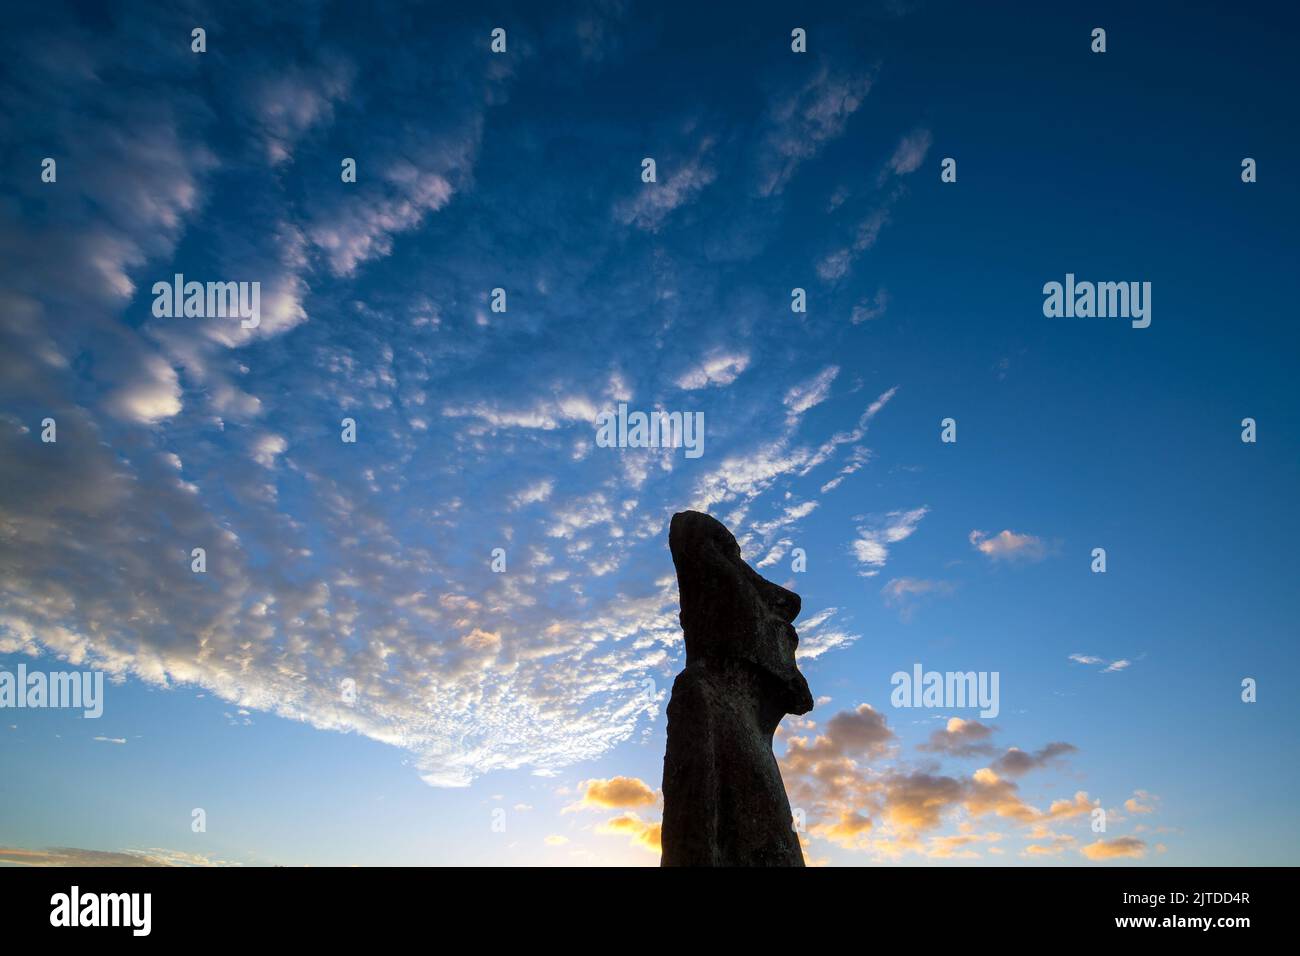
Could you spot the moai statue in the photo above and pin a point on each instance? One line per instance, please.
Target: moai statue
(724, 801)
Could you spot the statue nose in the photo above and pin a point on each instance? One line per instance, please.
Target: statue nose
(785, 604)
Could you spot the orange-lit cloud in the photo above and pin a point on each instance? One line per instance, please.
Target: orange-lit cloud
(848, 799)
(616, 793)
(847, 831)
(1063, 809)
(1118, 847)
(644, 833)
(1140, 802)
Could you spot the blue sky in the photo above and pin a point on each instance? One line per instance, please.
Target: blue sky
(525, 692)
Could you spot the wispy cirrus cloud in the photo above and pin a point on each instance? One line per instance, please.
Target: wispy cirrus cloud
(799, 124)
(906, 159)
(683, 179)
(905, 593)
(875, 537)
(1112, 666)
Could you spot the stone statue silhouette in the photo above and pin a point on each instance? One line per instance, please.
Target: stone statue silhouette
(724, 801)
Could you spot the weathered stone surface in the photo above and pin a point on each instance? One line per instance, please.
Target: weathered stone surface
(724, 801)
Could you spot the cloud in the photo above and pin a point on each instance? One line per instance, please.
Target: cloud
(846, 829)
(860, 731)
(532, 494)
(871, 547)
(617, 792)
(1141, 802)
(545, 414)
(356, 231)
(71, 856)
(870, 308)
(960, 738)
(153, 396)
(267, 448)
(294, 100)
(1117, 848)
(1016, 762)
(904, 593)
(776, 552)
(910, 153)
(719, 368)
(1056, 845)
(1008, 546)
(747, 475)
(643, 833)
(836, 265)
(111, 740)
(808, 394)
(1112, 667)
(369, 562)
(821, 633)
(800, 124)
(850, 734)
(1080, 805)
(858, 793)
(555, 839)
(682, 181)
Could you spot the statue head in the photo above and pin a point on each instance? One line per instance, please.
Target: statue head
(729, 610)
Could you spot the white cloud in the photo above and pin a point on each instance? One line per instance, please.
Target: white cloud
(910, 153)
(718, 368)
(1112, 667)
(871, 308)
(532, 494)
(871, 547)
(800, 124)
(802, 397)
(267, 448)
(680, 182)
